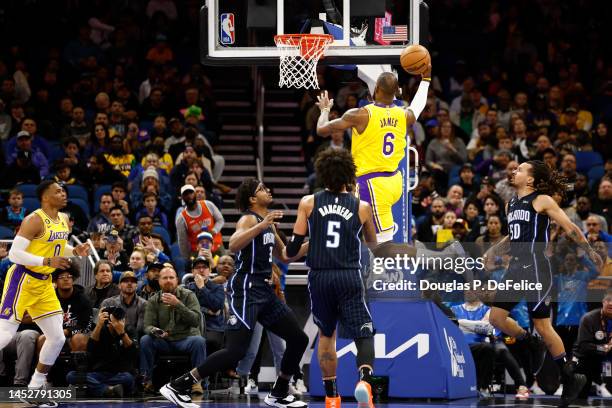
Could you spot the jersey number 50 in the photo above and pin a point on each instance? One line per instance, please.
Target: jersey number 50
(515, 231)
(388, 146)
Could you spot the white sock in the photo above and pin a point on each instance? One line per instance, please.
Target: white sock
(38, 379)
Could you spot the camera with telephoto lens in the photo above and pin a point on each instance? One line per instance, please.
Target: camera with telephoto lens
(115, 311)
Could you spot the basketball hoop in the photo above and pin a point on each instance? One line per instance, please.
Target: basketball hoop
(299, 55)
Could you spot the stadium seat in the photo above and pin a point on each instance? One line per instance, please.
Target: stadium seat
(587, 160)
(164, 234)
(175, 251)
(77, 191)
(28, 190)
(6, 232)
(104, 188)
(594, 175)
(31, 203)
(81, 203)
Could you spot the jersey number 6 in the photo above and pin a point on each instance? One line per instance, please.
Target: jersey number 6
(387, 149)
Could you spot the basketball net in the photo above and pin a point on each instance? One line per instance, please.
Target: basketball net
(299, 55)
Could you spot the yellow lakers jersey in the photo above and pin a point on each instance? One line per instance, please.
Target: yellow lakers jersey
(122, 163)
(52, 241)
(382, 145)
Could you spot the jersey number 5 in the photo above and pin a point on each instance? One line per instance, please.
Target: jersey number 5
(388, 146)
(333, 234)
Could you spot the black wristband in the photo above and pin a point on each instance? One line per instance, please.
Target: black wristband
(294, 244)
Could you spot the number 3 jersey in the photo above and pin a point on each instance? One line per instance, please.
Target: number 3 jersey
(528, 230)
(334, 229)
(382, 145)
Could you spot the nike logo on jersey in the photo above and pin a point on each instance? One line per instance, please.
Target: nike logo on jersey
(527, 266)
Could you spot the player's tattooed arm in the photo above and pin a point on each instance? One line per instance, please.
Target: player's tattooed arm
(545, 204)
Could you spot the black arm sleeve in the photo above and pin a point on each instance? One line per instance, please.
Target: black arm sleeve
(294, 245)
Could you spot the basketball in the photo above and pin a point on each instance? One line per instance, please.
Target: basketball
(415, 59)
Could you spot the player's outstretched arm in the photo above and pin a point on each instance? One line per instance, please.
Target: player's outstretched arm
(367, 220)
(545, 204)
(497, 250)
(356, 117)
(420, 98)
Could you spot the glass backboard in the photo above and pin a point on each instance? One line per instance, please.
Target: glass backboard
(241, 32)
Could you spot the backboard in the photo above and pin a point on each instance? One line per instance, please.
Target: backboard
(241, 32)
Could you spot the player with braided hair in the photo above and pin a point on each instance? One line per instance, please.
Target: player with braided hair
(529, 215)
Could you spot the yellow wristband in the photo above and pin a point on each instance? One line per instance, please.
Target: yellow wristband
(426, 79)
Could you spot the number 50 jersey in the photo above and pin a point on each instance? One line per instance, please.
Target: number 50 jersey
(334, 228)
(382, 145)
(526, 226)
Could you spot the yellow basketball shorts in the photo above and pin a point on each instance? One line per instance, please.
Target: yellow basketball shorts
(382, 191)
(29, 291)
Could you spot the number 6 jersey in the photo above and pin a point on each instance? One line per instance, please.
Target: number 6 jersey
(334, 229)
(382, 145)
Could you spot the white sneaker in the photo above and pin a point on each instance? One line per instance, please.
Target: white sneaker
(495, 388)
(251, 387)
(536, 390)
(602, 391)
(559, 391)
(294, 391)
(522, 393)
(288, 402)
(234, 388)
(300, 386)
(178, 397)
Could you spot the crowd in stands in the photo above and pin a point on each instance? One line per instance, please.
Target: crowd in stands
(116, 107)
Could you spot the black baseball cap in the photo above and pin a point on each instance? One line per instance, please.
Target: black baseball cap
(200, 259)
(155, 265)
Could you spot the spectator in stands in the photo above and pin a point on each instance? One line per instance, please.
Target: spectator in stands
(151, 183)
(549, 156)
(120, 197)
(24, 144)
(195, 216)
(426, 232)
(100, 172)
(572, 281)
(503, 188)
(472, 317)
(225, 269)
(467, 180)
(602, 202)
(118, 158)
(62, 173)
(13, 214)
(212, 301)
(23, 346)
(173, 322)
(99, 141)
(593, 347)
(445, 152)
(151, 209)
(104, 287)
(36, 143)
(151, 160)
(595, 231)
(154, 105)
(144, 228)
(492, 234)
(138, 262)
(77, 309)
(599, 286)
(183, 167)
(78, 127)
(5, 122)
(113, 352)
(454, 199)
(132, 304)
(580, 216)
(120, 223)
(72, 157)
(22, 170)
(114, 252)
(101, 222)
(150, 285)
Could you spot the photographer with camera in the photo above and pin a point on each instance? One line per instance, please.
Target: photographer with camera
(112, 357)
(132, 304)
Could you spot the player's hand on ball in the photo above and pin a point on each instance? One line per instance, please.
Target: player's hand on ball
(427, 72)
(59, 262)
(324, 103)
(81, 250)
(271, 218)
